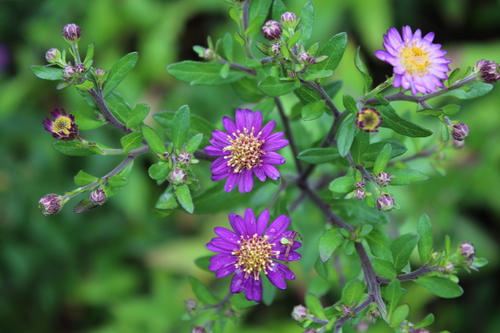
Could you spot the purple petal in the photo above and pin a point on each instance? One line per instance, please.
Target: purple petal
(278, 226)
(271, 171)
(238, 282)
(225, 270)
(232, 181)
(259, 173)
(268, 129)
(245, 181)
(274, 145)
(285, 271)
(238, 224)
(273, 158)
(220, 260)
(229, 125)
(250, 222)
(219, 244)
(227, 235)
(257, 121)
(240, 118)
(274, 275)
(262, 221)
(253, 289)
(214, 151)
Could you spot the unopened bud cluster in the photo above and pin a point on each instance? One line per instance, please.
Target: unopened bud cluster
(488, 71)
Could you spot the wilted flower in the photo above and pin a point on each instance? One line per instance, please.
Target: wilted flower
(272, 30)
(246, 149)
(385, 202)
(489, 71)
(419, 64)
(63, 126)
(51, 204)
(251, 250)
(368, 120)
(71, 33)
(459, 131)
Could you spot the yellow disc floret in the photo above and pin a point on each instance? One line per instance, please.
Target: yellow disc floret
(415, 60)
(245, 150)
(62, 125)
(254, 255)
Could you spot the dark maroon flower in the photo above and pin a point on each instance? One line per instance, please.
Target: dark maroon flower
(246, 149)
(63, 126)
(251, 250)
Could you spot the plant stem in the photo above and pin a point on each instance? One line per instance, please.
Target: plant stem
(99, 100)
(288, 133)
(412, 275)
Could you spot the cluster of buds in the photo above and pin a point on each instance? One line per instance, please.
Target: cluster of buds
(488, 71)
(177, 162)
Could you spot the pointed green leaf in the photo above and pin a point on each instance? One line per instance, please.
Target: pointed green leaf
(441, 287)
(401, 249)
(346, 135)
(183, 196)
(84, 205)
(392, 295)
(137, 115)
(85, 123)
(119, 71)
(153, 139)
(118, 106)
(306, 21)
(322, 268)
(374, 149)
(166, 203)
(193, 143)
(382, 159)
(201, 292)
(76, 148)
(472, 90)
(334, 49)
(180, 126)
(47, 73)
(352, 292)
(343, 184)
(313, 110)
(350, 104)
(159, 171)
(83, 178)
(328, 243)
(384, 268)
(319, 155)
(379, 243)
(428, 320)
(406, 176)
(272, 86)
(360, 65)
(117, 181)
(227, 46)
(398, 315)
(390, 119)
(131, 141)
(314, 306)
(359, 146)
(202, 73)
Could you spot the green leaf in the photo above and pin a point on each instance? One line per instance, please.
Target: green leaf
(137, 115)
(352, 292)
(83, 178)
(260, 9)
(180, 126)
(328, 243)
(382, 159)
(441, 287)
(119, 71)
(202, 73)
(322, 268)
(360, 65)
(401, 249)
(47, 73)
(451, 109)
(357, 210)
(272, 86)
(334, 49)
(428, 320)
(384, 268)
(84, 123)
(166, 203)
(359, 146)
(268, 292)
(473, 90)
(312, 74)
(117, 181)
(379, 243)
(76, 148)
(227, 46)
(390, 119)
(346, 135)
(153, 139)
(90, 53)
(406, 176)
(374, 149)
(183, 196)
(313, 110)
(246, 88)
(159, 171)
(240, 302)
(278, 9)
(193, 143)
(118, 106)
(203, 262)
(306, 21)
(392, 295)
(84, 205)
(319, 155)
(201, 292)
(343, 184)
(198, 124)
(306, 95)
(131, 141)
(314, 306)
(398, 315)
(224, 71)
(350, 104)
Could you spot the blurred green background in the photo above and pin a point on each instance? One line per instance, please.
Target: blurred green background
(119, 269)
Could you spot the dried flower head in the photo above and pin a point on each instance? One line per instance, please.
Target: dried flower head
(63, 127)
(368, 120)
(419, 64)
(253, 249)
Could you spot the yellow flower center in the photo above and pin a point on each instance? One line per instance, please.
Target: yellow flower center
(415, 60)
(62, 124)
(254, 255)
(368, 119)
(245, 150)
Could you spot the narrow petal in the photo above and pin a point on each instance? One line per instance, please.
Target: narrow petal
(274, 145)
(250, 222)
(271, 171)
(262, 221)
(257, 121)
(268, 128)
(227, 235)
(214, 151)
(245, 183)
(229, 125)
(232, 181)
(253, 289)
(219, 260)
(223, 244)
(259, 173)
(285, 271)
(238, 282)
(225, 270)
(238, 224)
(278, 226)
(274, 275)
(273, 158)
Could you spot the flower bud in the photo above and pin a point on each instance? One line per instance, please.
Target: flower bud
(488, 71)
(68, 73)
(384, 179)
(304, 56)
(98, 196)
(276, 49)
(198, 329)
(360, 185)
(385, 202)
(80, 68)
(467, 251)
(177, 176)
(459, 131)
(418, 330)
(63, 127)
(360, 194)
(458, 144)
(368, 120)
(53, 56)
(51, 204)
(288, 18)
(299, 313)
(71, 33)
(184, 159)
(272, 30)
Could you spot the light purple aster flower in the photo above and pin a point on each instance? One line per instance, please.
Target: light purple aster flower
(419, 64)
(252, 249)
(246, 149)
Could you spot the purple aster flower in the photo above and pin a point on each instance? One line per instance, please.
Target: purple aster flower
(418, 63)
(63, 126)
(251, 249)
(246, 149)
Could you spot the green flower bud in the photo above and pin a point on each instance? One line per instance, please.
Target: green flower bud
(53, 56)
